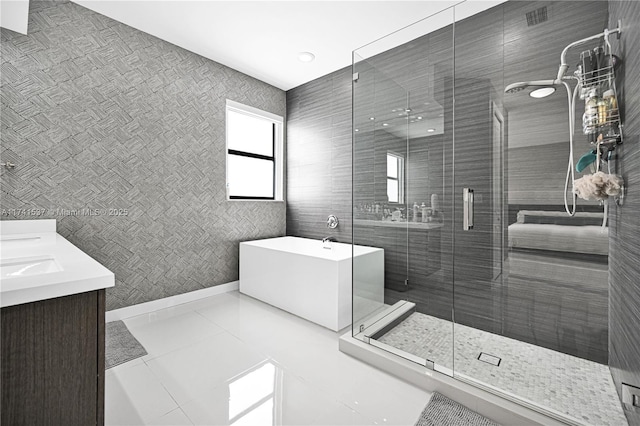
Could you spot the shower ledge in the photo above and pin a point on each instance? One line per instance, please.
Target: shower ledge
(37, 263)
(392, 224)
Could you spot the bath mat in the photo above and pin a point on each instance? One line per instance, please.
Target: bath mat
(442, 411)
(120, 345)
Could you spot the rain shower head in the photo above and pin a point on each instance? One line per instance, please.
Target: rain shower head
(517, 87)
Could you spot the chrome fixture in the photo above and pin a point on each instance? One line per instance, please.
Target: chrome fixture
(9, 165)
(571, 97)
(332, 221)
(521, 85)
(467, 214)
(327, 242)
(630, 396)
(564, 66)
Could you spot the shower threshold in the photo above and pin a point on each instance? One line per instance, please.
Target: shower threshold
(385, 321)
(386, 343)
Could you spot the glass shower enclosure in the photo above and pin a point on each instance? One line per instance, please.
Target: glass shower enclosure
(461, 184)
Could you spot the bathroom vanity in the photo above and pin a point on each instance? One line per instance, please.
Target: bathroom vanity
(52, 322)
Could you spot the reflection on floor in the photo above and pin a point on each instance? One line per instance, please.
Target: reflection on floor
(230, 359)
(573, 386)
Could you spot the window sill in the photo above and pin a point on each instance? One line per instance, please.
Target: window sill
(255, 201)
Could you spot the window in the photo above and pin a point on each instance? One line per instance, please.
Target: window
(254, 153)
(395, 178)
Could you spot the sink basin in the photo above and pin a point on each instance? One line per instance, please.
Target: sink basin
(37, 263)
(9, 240)
(23, 266)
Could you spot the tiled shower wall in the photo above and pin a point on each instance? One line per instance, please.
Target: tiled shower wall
(319, 157)
(624, 242)
(99, 115)
(492, 49)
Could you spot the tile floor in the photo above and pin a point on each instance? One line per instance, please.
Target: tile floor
(573, 386)
(230, 359)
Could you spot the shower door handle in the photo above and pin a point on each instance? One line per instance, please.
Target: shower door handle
(467, 209)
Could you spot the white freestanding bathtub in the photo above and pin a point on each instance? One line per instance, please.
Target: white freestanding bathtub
(300, 276)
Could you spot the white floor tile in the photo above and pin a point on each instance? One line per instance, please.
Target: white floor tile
(192, 370)
(124, 365)
(356, 384)
(134, 396)
(211, 358)
(342, 416)
(266, 395)
(176, 417)
(164, 332)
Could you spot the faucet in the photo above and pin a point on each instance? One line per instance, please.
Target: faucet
(327, 242)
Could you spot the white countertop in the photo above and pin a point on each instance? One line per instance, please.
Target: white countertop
(395, 224)
(73, 270)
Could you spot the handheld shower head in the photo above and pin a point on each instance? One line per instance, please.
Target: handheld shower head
(521, 85)
(516, 87)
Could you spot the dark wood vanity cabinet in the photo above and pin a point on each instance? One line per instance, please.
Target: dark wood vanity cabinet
(53, 361)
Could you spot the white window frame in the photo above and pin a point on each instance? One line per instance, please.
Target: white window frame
(278, 149)
(400, 179)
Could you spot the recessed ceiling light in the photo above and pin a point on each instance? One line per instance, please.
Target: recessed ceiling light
(431, 130)
(419, 118)
(357, 130)
(385, 124)
(542, 92)
(407, 110)
(306, 56)
(372, 118)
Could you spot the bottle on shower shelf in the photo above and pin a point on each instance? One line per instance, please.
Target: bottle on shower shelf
(590, 117)
(602, 112)
(611, 103)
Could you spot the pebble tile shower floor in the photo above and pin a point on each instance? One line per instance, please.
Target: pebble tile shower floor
(230, 359)
(573, 386)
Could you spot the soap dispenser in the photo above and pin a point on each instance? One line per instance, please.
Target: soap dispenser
(416, 211)
(425, 212)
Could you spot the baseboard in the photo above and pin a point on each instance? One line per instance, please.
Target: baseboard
(167, 302)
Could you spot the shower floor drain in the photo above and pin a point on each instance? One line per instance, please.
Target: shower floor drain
(490, 359)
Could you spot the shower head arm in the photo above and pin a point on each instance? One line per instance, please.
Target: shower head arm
(564, 67)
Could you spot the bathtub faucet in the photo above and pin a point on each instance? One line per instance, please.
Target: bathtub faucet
(327, 242)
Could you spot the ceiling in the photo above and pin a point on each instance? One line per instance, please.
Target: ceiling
(263, 38)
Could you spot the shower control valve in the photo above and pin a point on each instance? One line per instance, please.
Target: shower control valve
(332, 222)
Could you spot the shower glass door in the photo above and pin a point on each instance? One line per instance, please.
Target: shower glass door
(531, 281)
(402, 192)
(461, 185)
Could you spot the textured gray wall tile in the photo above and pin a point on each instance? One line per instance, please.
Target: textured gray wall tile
(319, 156)
(491, 49)
(624, 242)
(97, 114)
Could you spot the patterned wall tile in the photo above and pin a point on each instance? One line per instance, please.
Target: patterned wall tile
(98, 115)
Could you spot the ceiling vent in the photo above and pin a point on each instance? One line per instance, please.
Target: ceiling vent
(537, 16)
